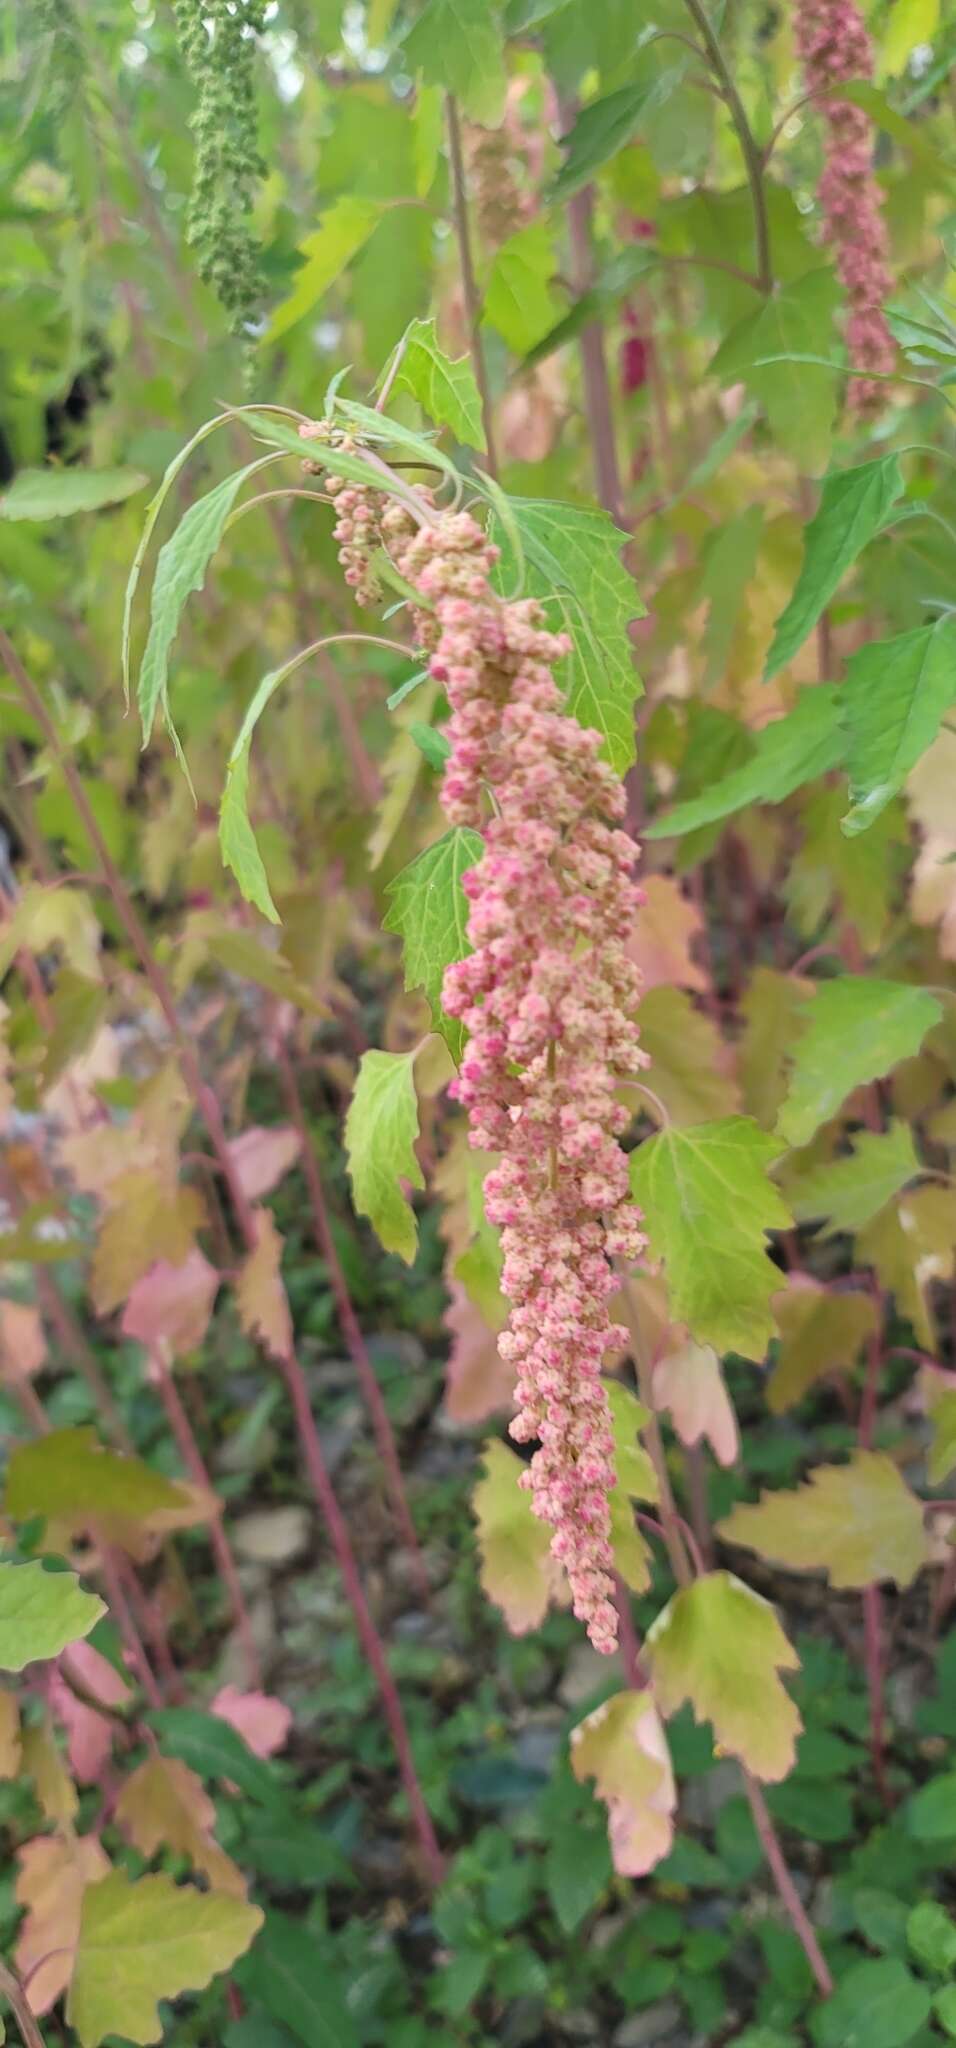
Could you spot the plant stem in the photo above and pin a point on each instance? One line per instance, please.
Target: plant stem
(468, 281)
(597, 389)
(789, 1896)
(207, 1105)
(12, 1990)
(195, 1464)
(753, 162)
(348, 1320)
(872, 1598)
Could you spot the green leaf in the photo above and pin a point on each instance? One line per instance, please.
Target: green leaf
(380, 1133)
(911, 23)
(848, 1191)
(853, 507)
(858, 1522)
(68, 1476)
(808, 741)
(288, 1972)
(431, 743)
(931, 1935)
(944, 2010)
(572, 555)
(517, 1570)
(214, 1750)
(719, 1645)
(876, 2005)
(342, 232)
(518, 298)
(153, 511)
(458, 44)
(57, 493)
(601, 129)
(795, 320)
(577, 1872)
(693, 1075)
(856, 1030)
(931, 1813)
(896, 695)
(707, 1207)
(237, 840)
(180, 569)
(145, 1940)
(429, 908)
(445, 388)
(40, 1612)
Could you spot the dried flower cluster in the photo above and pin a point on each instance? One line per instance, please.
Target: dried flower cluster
(834, 47)
(548, 997)
(501, 205)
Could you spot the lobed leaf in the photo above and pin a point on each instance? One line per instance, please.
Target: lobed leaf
(720, 1646)
(429, 909)
(708, 1206)
(853, 507)
(858, 1522)
(896, 695)
(144, 1940)
(445, 388)
(807, 742)
(856, 1030)
(40, 1612)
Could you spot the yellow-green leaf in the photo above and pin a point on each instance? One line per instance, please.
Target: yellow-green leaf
(457, 44)
(70, 1479)
(380, 1133)
(144, 1940)
(720, 1646)
(342, 232)
(40, 1612)
(429, 908)
(622, 1746)
(58, 493)
(519, 301)
(517, 1570)
(444, 387)
(632, 1465)
(858, 1522)
(692, 1065)
(846, 1192)
(820, 1332)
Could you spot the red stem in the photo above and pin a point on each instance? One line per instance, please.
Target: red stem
(195, 1464)
(208, 1108)
(789, 1896)
(351, 1331)
(597, 389)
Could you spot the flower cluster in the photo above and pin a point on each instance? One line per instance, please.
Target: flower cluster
(218, 42)
(358, 514)
(834, 46)
(501, 205)
(547, 997)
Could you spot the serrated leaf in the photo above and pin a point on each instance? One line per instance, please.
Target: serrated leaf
(931, 1935)
(820, 1332)
(693, 1065)
(70, 1479)
(846, 1192)
(146, 1940)
(380, 1133)
(572, 556)
(878, 2004)
(40, 1612)
(180, 569)
(720, 1646)
(517, 1570)
(708, 1206)
(796, 320)
(912, 1243)
(770, 1008)
(807, 742)
(857, 1522)
(896, 695)
(458, 44)
(444, 387)
(429, 909)
(856, 1030)
(622, 1746)
(344, 229)
(58, 493)
(149, 1218)
(519, 301)
(853, 507)
(162, 1805)
(602, 128)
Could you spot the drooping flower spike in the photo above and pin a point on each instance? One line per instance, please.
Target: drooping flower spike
(835, 47)
(548, 997)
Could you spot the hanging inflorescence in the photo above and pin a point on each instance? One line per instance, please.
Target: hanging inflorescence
(548, 997)
(217, 38)
(835, 48)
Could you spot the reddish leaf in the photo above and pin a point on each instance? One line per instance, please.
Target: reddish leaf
(263, 1722)
(89, 1735)
(261, 1157)
(478, 1381)
(170, 1306)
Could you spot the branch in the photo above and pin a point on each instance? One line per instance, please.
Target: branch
(749, 150)
(12, 1990)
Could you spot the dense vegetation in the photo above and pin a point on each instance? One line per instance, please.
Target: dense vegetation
(477, 1040)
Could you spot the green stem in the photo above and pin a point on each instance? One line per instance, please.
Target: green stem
(753, 162)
